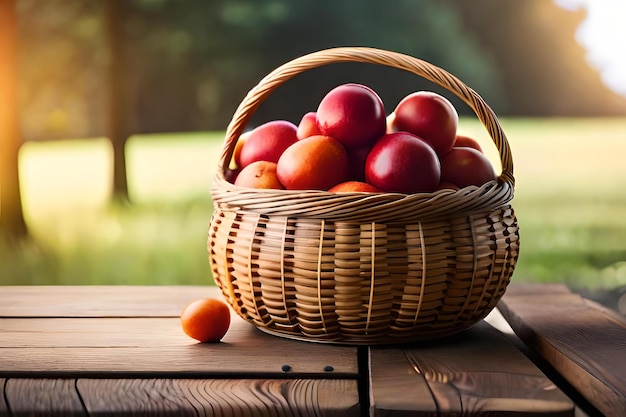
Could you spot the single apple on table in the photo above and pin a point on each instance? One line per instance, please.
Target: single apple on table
(404, 163)
(430, 116)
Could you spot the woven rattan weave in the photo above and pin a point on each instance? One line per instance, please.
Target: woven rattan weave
(357, 268)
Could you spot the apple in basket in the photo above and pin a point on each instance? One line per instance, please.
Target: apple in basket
(267, 142)
(308, 126)
(259, 174)
(352, 113)
(354, 186)
(349, 145)
(235, 162)
(403, 163)
(466, 166)
(315, 163)
(430, 116)
(463, 141)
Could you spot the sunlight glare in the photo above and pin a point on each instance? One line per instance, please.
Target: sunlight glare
(602, 34)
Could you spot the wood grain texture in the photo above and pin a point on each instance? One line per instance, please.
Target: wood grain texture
(585, 343)
(476, 373)
(220, 397)
(396, 389)
(136, 330)
(41, 397)
(157, 346)
(99, 301)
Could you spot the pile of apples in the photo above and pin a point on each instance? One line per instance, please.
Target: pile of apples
(350, 144)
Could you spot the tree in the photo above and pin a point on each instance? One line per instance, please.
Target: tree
(12, 224)
(543, 71)
(119, 128)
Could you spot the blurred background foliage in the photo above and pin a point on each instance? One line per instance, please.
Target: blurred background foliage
(183, 66)
(189, 63)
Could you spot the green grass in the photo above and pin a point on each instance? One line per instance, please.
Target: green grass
(79, 238)
(570, 202)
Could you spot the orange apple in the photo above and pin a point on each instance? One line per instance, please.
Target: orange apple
(466, 166)
(352, 113)
(267, 142)
(430, 116)
(354, 186)
(259, 174)
(235, 161)
(308, 126)
(314, 163)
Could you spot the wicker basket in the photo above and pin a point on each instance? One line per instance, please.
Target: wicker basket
(356, 268)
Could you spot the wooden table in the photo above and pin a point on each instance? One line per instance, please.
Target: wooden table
(120, 350)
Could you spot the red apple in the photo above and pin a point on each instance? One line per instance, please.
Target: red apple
(404, 163)
(352, 113)
(447, 186)
(230, 174)
(354, 186)
(308, 126)
(313, 163)
(267, 142)
(463, 141)
(259, 174)
(430, 116)
(466, 166)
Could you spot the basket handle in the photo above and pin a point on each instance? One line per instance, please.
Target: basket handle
(280, 75)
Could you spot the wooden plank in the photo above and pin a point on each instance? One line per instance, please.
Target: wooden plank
(99, 301)
(157, 346)
(192, 397)
(585, 343)
(479, 372)
(396, 389)
(4, 411)
(531, 289)
(41, 397)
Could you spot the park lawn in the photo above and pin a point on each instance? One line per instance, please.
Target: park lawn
(570, 202)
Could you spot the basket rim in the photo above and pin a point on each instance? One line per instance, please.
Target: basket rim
(362, 207)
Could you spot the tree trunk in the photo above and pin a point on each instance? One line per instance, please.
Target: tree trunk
(12, 224)
(119, 128)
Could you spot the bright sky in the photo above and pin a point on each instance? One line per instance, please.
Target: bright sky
(603, 34)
